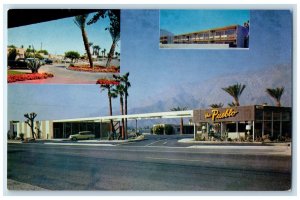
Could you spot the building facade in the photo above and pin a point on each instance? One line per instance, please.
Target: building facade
(51, 129)
(254, 121)
(233, 36)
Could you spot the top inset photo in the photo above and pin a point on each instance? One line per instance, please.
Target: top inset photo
(204, 29)
(63, 46)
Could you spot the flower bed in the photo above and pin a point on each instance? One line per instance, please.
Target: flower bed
(107, 82)
(24, 77)
(97, 68)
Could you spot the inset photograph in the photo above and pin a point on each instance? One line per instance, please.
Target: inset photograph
(204, 29)
(62, 46)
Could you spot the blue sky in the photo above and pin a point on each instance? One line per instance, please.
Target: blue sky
(153, 70)
(184, 21)
(59, 36)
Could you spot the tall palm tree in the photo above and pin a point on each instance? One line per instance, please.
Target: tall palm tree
(124, 79)
(97, 49)
(80, 22)
(276, 94)
(110, 94)
(119, 90)
(114, 30)
(104, 51)
(181, 119)
(235, 91)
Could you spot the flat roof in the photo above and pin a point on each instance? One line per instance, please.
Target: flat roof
(157, 115)
(212, 29)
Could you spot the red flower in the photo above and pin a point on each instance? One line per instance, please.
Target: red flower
(107, 82)
(24, 77)
(97, 68)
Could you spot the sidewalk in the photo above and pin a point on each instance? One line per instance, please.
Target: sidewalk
(192, 141)
(68, 141)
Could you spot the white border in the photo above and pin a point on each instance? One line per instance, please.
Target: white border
(163, 4)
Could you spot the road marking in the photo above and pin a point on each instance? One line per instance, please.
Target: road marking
(78, 144)
(177, 159)
(155, 142)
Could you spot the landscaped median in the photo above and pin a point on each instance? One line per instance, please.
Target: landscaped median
(96, 68)
(27, 76)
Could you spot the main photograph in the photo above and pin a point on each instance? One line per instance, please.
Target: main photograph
(173, 119)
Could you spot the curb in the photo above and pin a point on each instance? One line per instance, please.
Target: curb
(192, 141)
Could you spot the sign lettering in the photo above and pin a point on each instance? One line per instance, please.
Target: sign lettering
(216, 114)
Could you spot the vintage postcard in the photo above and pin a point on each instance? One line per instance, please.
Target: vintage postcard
(192, 100)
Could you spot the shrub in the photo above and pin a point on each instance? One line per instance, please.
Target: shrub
(168, 129)
(21, 136)
(158, 130)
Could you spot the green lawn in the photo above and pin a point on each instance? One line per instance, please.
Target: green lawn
(12, 72)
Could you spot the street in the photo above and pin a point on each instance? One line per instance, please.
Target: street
(65, 76)
(150, 165)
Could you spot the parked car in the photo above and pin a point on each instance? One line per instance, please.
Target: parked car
(48, 61)
(82, 135)
(17, 64)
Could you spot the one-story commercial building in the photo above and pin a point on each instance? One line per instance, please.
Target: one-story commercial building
(252, 121)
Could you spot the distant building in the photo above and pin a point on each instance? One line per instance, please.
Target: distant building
(20, 52)
(174, 129)
(166, 37)
(234, 36)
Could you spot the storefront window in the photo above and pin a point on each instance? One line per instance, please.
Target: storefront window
(267, 115)
(267, 128)
(287, 129)
(259, 115)
(75, 128)
(276, 129)
(83, 126)
(276, 116)
(286, 116)
(68, 129)
(258, 129)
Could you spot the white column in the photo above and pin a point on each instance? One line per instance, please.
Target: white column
(253, 128)
(237, 129)
(263, 126)
(195, 131)
(272, 123)
(221, 129)
(280, 133)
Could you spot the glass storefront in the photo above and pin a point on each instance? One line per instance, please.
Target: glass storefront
(65, 129)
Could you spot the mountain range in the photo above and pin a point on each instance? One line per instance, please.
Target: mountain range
(206, 92)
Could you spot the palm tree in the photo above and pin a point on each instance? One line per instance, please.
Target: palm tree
(120, 91)
(104, 51)
(235, 91)
(215, 105)
(97, 49)
(110, 94)
(80, 22)
(114, 30)
(276, 94)
(124, 79)
(181, 119)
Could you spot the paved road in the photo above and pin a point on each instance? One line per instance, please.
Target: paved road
(64, 76)
(147, 167)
